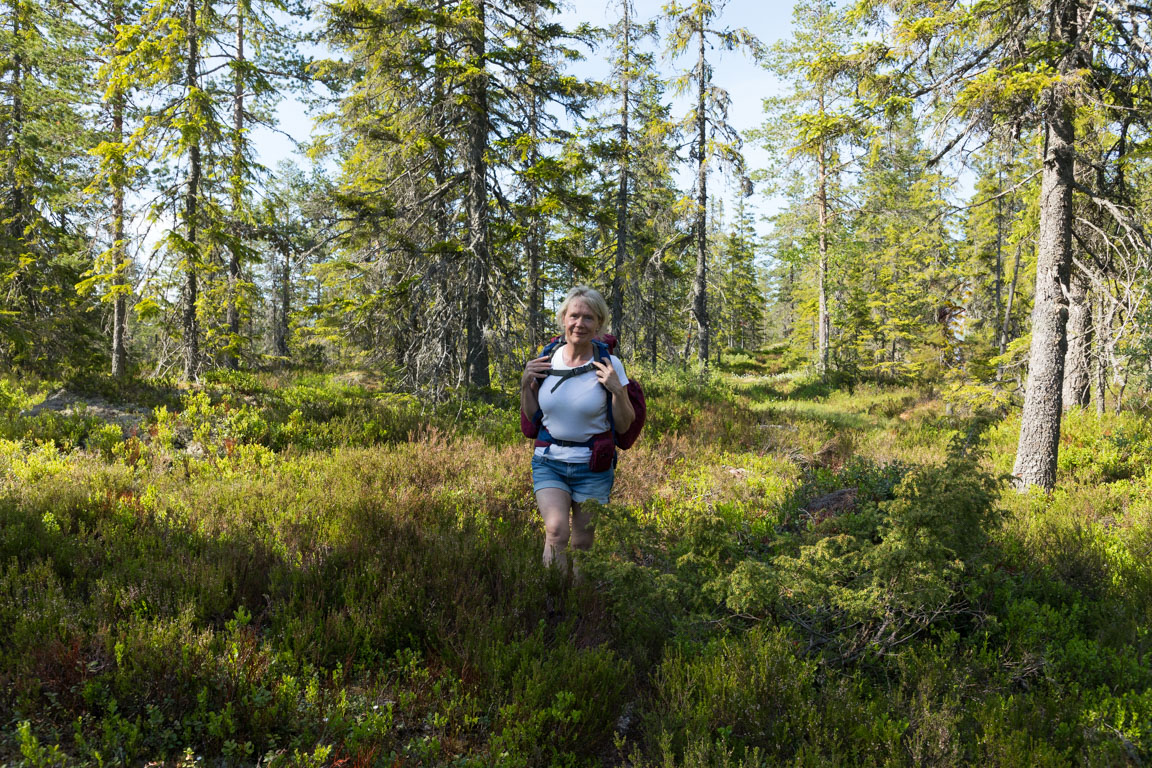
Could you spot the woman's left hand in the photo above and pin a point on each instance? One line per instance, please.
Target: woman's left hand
(606, 375)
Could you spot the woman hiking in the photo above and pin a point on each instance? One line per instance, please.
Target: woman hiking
(570, 391)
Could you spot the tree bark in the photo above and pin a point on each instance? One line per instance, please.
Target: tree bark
(534, 240)
(476, 205)
(233, 311)
(19, 222)
(1000, 244)
(1100, 360)
(189, 321)
(282, 329)
(1039, 443)
(622, 192)
(653, 340)
(447, 347)
(700, 284)
(119, 256)
(824, 329)
(1077, 360)
(1006, 321)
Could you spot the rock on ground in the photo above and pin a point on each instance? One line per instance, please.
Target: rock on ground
(127, 417)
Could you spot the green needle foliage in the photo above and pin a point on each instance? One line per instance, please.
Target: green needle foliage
(43, 135)
(263, 496)
(713, 138)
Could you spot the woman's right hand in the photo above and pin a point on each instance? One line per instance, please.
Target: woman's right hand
(535, 371)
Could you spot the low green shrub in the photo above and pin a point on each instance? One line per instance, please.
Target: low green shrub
(347, 575)
(870, 579)
(751, 691)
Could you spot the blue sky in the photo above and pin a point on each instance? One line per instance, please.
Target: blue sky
(747, 83)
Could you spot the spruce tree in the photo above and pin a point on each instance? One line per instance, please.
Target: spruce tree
(631, 64)
(906, 269)
(1003, 62)
(741, 313)
(812, 124)
(263, 63)
(713, 137)
(44, 134)
(445, 105)
(116, 174)
(163, 56)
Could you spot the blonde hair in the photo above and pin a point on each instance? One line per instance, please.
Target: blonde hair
(594, 300)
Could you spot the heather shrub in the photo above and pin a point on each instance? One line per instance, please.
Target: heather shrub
(752, 691)
(308, 569)
(14, 397)
(563, 703)
(67, 430)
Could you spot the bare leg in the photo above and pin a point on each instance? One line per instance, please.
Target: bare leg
(582, 533)
(555, 506)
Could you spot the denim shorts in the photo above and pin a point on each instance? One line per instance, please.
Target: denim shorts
(580, 482)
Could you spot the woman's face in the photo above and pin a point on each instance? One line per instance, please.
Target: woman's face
(580, 322)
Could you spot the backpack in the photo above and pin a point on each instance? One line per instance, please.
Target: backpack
(603, 445)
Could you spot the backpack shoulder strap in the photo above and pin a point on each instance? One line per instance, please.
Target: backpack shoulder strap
(551, 346)
(604, 355)
(602, 350)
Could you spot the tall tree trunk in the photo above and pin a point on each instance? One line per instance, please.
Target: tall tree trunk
(1039, 444)
(282, 329)
(790, 306)
(447, 343)
(189, 324)
(233, 309)
(534, 240)
(119, 255)
(700, 284)
(1000, 243)
(825, 324)
(1077, 360)
(1006, 321)
(653, 341)
(622, 191)
(19, 222)
(1099, 356)
(476, 204)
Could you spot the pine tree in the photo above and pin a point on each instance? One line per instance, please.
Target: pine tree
(813, 122)
(1001, 61)
(714, 138)
(741, 312)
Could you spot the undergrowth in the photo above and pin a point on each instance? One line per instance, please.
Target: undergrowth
(312, 569)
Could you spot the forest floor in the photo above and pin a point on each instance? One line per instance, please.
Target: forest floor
(309, 569)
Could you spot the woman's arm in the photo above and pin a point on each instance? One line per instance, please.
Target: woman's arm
(622, 411)
(534, 372)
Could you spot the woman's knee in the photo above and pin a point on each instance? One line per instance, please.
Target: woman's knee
(581, 538)
(556, 528)
(582, 531)
(555, 507)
